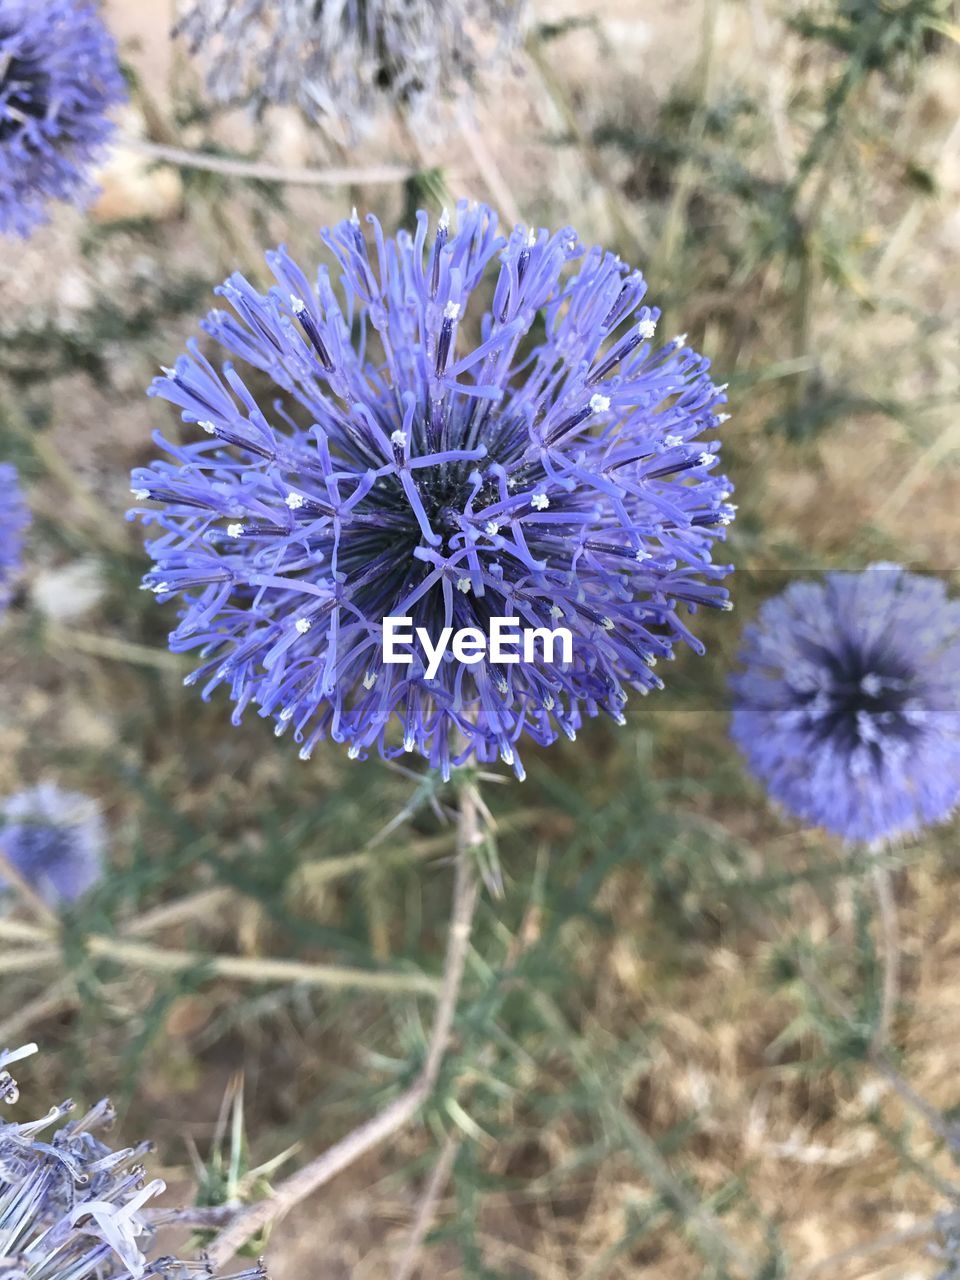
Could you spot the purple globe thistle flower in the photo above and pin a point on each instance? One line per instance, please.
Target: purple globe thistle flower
(848, 707)
(343, 59)
(55, 839)
(14, 518)
(379, 461)
(59, 77)
(70, 1207)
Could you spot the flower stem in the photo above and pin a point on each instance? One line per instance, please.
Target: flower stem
(253, 1220)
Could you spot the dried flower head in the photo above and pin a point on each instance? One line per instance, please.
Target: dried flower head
(55, 839)
(848, 709)
(70, 1207)
(342, 60)
(59, 77)
(472, 427)
(14, 518)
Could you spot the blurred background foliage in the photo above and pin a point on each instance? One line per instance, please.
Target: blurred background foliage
(665, 1059)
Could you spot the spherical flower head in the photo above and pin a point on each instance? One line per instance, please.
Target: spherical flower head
(70, 1206)
(462, 427)
(345, 62)
(848, 706)
(55, 839)
(14, 518)
(59, 76)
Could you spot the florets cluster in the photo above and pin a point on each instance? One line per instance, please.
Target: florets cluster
(848, 709)
(14, 518)
(59, 77)
(465, 426)
(70, 1207)
(55, 839)
(342, 60)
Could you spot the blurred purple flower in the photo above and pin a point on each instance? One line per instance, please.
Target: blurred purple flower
(343, 59)
(14, 518)
(59, 77)
(70, 1207)
(552, 469)
(55, 839)
(848, 708)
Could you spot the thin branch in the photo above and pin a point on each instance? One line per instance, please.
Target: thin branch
(890, 955)
(256, 170)
(249, 1222)
(427, 1208)
(260, 968)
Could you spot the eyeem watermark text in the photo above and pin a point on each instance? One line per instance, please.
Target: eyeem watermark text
(506, 642)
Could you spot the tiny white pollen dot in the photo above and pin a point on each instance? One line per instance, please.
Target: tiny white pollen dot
(705, 459)
(548, 703)
(444, 222)
(671, 441)
(303, 625)
(208, 427)
(680, 340)
(647, 328)
(305, 753)
(451, 311)
(141, 495)
(294, 501)
(234, 530)
(556, 611)
(354, 216)
(398, 437)
(607, 624)
(286, 714)
(723, 417)
(599, 403)
(492, 528)
(642, 555)
(531, 237)
(353, 752)
(369, 679)
(506, 755)
(167, 371)
(409, 744)
(464, 585)
(160, 588)
(297, 304)
(540, 502)
(722, 388)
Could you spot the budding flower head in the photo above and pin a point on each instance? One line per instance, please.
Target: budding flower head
(55, 839)
(348, 61)
(14, 518)
(848, 705)
(59, 76)
(508, 498)
(70, 1207)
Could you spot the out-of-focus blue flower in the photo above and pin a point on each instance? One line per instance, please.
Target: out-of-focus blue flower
(848, 709)
(59, 77)
(55, 839)
(471, 427)
(342, 59)
(14, 518)
(70, 1207)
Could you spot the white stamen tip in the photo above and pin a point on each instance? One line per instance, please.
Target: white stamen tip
(298, 304)
(705, 459)
(286, 714)
(398, 437)
(599, 403)
(723, 417)
(451, 311)
(409, 744)
(208, 426)
(354, 216)
(555, 612)
(492, 528)
(294, 501)
(540, 502)
(607, 624)
(234, 530)
(369, 679)
(160, 588)
(141, 495)
(303, 625)
(352, 752)
(647, 328)
(671, 441)
(444, 222)
(464, 585)
(642, 555)
(506, 755)
(680, 340)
